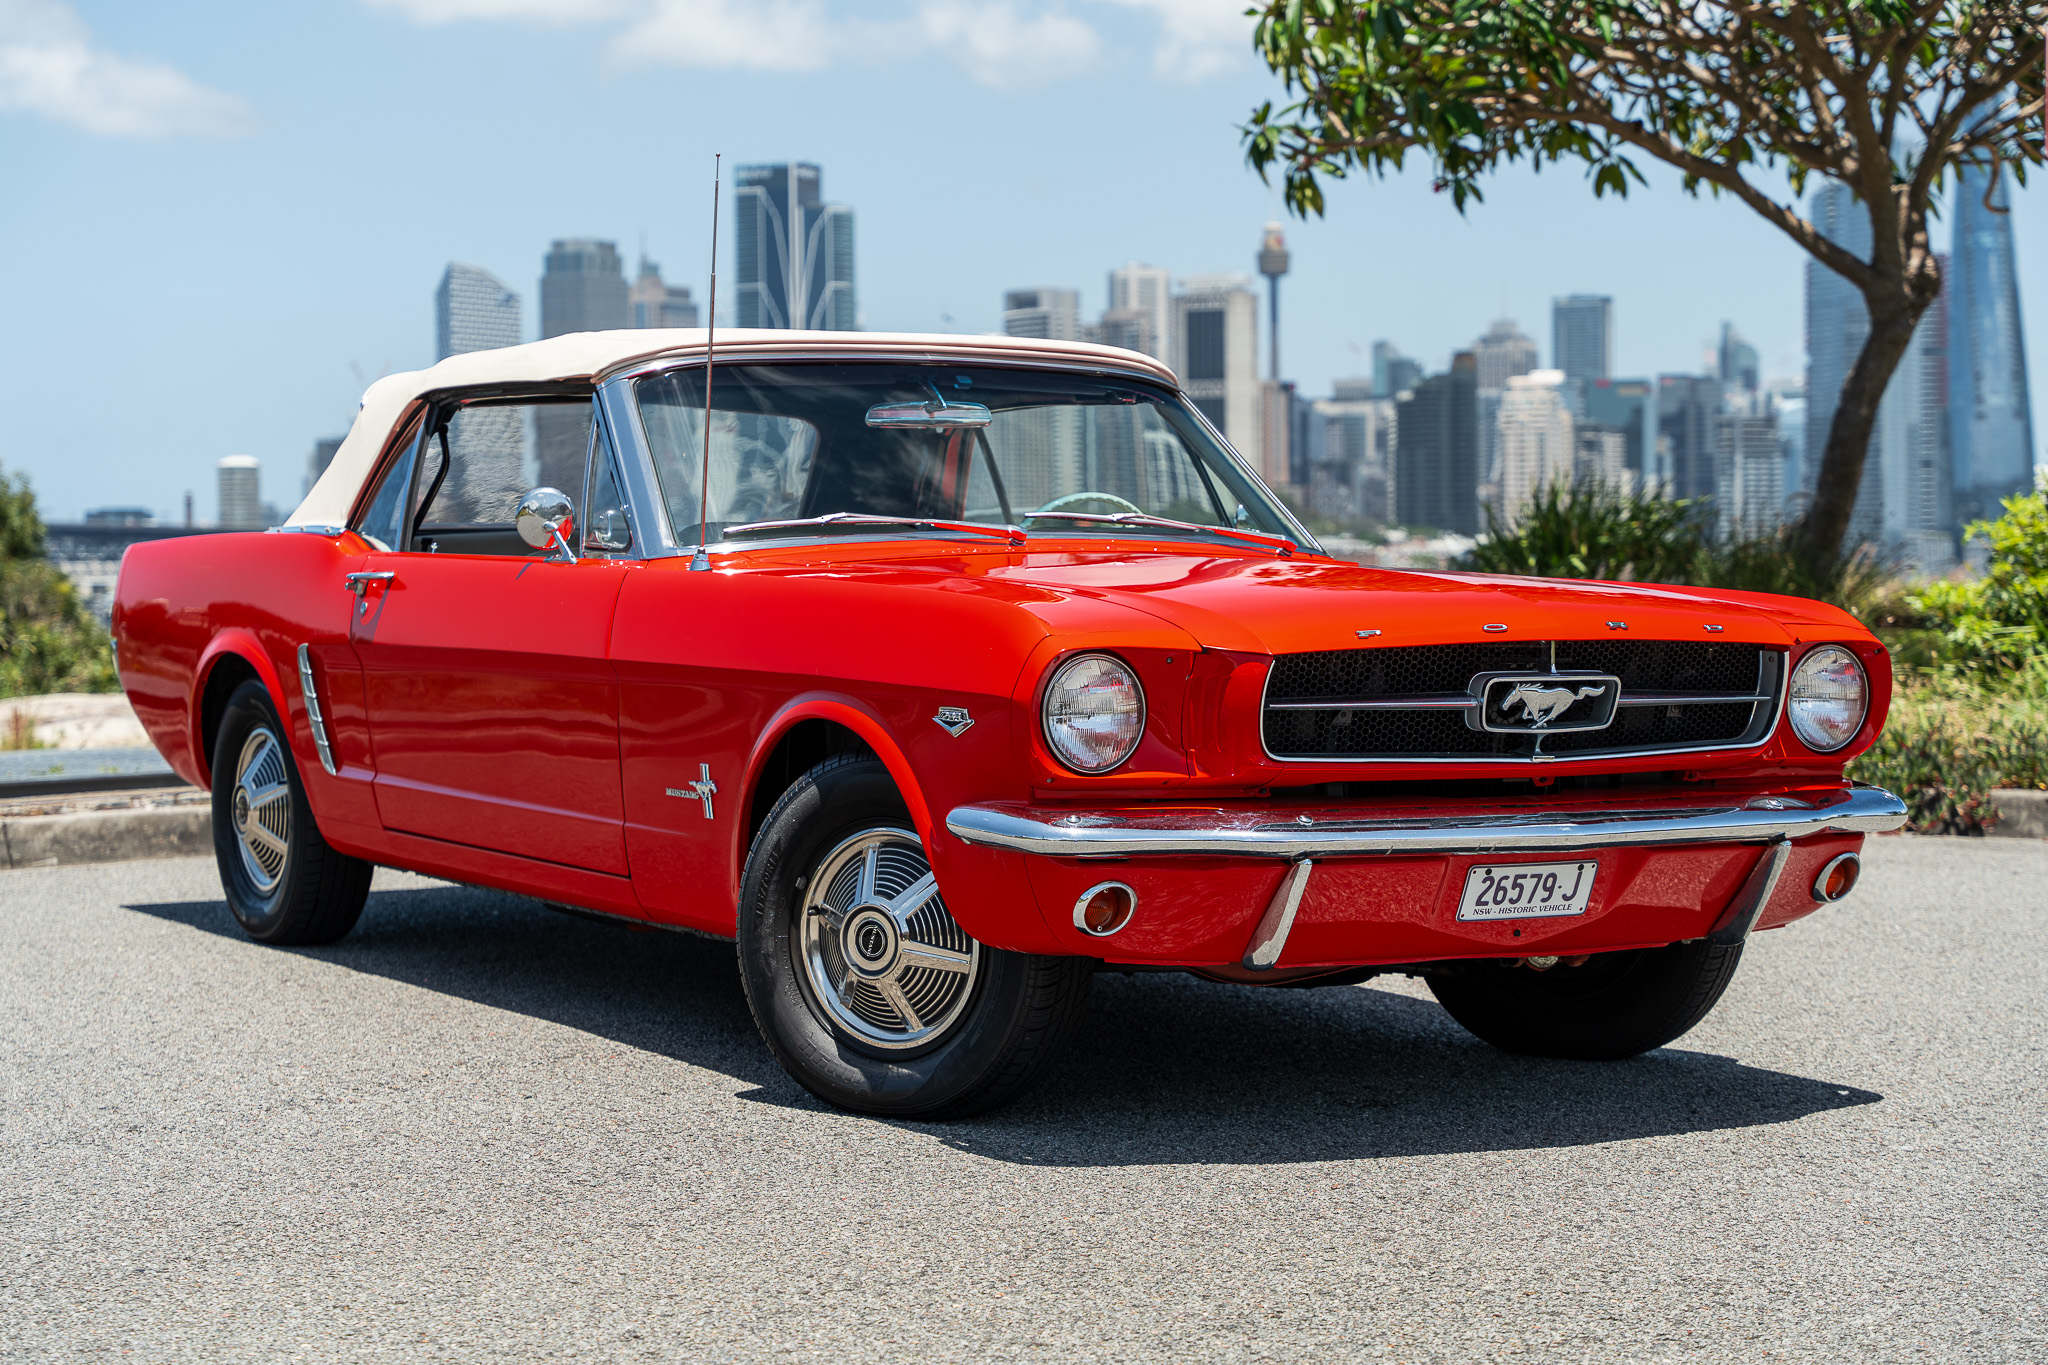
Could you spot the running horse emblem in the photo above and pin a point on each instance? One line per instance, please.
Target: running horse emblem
(1542, 705)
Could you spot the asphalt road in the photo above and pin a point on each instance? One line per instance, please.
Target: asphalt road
(478, 1130)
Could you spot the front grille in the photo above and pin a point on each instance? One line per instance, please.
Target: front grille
(1408, 701)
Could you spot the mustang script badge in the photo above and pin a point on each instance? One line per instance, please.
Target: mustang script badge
(1549, 703)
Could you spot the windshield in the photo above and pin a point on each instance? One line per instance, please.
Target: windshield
(791, 442)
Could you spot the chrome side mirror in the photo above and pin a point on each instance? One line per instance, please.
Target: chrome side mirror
(546, 520)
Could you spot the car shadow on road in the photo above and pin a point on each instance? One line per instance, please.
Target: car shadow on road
(1169, 1070)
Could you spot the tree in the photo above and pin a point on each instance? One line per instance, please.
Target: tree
(48, 641)
(1891, 98)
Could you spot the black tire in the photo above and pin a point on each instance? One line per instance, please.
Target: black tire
(1013, 1015)
(1614, 1005)
(291, 889)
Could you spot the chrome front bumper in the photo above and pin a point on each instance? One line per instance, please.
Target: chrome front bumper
(1132, 832)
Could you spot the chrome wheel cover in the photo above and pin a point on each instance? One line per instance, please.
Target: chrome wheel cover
(881, 954)
(262, 811)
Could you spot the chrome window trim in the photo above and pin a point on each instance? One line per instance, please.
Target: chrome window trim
(617, 386)
(653, 537)
(641, 368)
(1590, 756)
(602, 447)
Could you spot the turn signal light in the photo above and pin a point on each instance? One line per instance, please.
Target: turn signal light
(1838, 878)
(1104, 909)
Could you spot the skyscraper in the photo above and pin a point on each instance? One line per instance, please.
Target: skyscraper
(1538, 447)
(1687, 405)
(1505, 351)
(1141, 299)
(1393, 374)
(1905, 499)
(241, 497)
(794, 265)
(1582, 336)
(1749, 472)
(1436, 457)
(1628, 406)
(583, 288)
(1351, 469)
(654, 303)
(473, 311)
(1991, 425)
(1736, 362)
(1216, 337)
(1048, 313)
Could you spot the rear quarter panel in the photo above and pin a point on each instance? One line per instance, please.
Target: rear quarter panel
(182, 605)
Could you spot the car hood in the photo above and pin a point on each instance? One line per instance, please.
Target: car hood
(1282, 606)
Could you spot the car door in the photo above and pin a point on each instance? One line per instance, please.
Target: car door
(491, 702)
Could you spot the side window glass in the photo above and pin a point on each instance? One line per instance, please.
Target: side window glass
(487, 455)
(383, 524)
(497, 452)
(607, 529)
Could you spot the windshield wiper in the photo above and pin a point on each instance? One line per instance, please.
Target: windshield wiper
(1013, 534)
(1285, 546)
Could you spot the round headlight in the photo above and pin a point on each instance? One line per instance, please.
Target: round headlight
(1829, 698)
(1094, 713)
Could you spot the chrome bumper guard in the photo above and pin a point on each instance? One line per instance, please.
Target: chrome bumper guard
(1252, 832)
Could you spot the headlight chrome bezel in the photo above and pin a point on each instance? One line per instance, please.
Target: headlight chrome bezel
(1072, 758)
(1822, 656)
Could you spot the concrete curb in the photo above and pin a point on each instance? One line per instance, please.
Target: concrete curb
(2022, 813)
(109, 836)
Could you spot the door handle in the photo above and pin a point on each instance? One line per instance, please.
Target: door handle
(359, 584)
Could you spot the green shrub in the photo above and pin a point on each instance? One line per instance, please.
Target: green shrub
(1590, 530)
(48, 641)
(1952, 736)
(2001, 619)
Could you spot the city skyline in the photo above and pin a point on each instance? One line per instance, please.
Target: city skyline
(293, 195)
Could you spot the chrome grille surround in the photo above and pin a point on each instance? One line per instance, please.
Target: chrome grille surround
(1410, 703)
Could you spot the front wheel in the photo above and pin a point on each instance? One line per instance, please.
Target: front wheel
(862, 984)
(1604, 1007)
(284, 883)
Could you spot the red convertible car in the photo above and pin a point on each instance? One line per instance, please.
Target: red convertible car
(977, 665)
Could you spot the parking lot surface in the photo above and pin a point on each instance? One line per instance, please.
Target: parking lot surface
(481, 1130)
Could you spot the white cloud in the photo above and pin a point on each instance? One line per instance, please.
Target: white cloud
(1201, 37)
(525, 11)
(1002, 43)
(1002, 47)
(764, 35)
(50, 66)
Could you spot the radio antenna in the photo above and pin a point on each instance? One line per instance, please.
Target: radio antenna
(702, 560)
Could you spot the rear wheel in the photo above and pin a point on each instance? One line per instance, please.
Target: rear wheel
(862, 984)
(283, 883)
(1608, 1006)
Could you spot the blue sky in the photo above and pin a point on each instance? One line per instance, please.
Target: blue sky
(219, 214)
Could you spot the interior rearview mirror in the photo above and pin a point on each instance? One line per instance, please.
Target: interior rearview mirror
(545, 520)
(930, 415)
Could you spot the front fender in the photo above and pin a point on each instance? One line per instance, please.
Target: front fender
(856, 716)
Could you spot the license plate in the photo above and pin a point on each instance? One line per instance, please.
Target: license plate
(1528, 890)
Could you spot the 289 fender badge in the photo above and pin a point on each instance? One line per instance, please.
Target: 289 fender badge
(703, 789)
(954, 720)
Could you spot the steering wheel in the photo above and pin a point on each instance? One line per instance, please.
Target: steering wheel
(1060, 502)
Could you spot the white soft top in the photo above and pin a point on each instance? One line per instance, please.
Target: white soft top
(592, 355)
